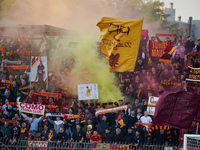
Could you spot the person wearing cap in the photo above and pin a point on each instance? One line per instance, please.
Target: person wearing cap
(33, 121)
(121, 102)
(89, 133)
(89, 122)
(30, 135)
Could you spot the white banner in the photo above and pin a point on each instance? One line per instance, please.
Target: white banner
(31, 108)
(39, 69)
(152, 104)
(88, 91)
(108, 110)
(39, 145)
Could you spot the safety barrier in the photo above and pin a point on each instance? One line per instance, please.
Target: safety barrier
(6, 144)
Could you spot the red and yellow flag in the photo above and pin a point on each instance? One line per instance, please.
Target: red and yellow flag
(120, 40)
(167, 55)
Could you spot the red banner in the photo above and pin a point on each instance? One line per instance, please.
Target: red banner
(170, 83)
(165, 35)
(24, 88)
(157, 49)
(9, 121)
(12, 103)
(5, 87)
(176, 109)
(48, 94)
(18, 67)
(2, 49)
(73, 116)
(193, 85)
(193, 53)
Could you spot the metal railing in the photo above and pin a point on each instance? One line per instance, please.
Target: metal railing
(67, 145)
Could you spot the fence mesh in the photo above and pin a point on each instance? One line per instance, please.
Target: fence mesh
(66, 145)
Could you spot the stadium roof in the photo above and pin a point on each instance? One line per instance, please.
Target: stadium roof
(31, 30)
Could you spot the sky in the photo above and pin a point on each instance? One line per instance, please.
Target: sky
(185, 8)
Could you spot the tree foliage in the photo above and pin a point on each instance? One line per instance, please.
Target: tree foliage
(5, 6)
(152, 10)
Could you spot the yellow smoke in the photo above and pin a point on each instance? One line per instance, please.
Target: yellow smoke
(90, 67)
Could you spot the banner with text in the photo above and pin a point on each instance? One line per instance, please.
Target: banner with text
(39, 69)
(152, 104)
(31, 108)
(39, 145)
(109, 146)
(193, 74)
(157, 49)
(120, 40)
(88, 91)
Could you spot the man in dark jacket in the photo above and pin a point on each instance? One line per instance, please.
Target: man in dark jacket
(189, 45)
(118, 136)
(107, 136)
(61, 136)
(138, 139)
(198, 46)
(129, 136)
(45, 133)
(115, 126)
(103, 125)
(132, 119)
(78, 135)
(161, 137)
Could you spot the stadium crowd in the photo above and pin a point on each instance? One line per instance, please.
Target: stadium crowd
(135, 87)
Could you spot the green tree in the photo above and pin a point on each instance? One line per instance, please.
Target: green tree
(152, 10)
(5, 6)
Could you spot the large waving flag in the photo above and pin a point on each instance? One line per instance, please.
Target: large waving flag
(176, 109)
(120, 40)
